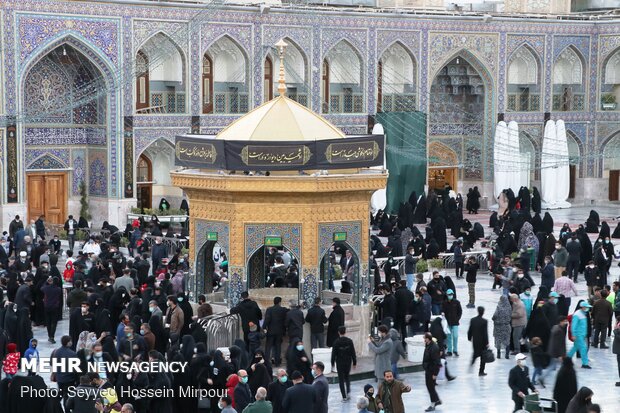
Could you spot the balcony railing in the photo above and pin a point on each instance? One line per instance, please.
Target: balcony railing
(301, 98)
(346, 103)
(165, 102)
(572, 103)
(523, 103)
(399, 102)
(231, 102)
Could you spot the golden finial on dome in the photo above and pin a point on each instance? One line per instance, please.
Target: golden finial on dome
(281, 45)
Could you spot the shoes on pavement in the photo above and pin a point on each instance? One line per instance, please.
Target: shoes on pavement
(430, 408)
(437, 403)
(618, 384)
(456, 354)
(482, 374)
(585, 366)
(449, 354)
(450, 379)
(603, 346)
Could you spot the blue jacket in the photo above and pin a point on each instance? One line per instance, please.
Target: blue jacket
(31, 351)
(579, 324)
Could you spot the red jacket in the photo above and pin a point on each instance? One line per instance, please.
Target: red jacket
(232, 382)
(11, 362)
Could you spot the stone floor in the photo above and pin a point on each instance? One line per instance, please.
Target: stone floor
(470, 393)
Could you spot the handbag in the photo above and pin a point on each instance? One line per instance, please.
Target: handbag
(488, 356)
(204, 403)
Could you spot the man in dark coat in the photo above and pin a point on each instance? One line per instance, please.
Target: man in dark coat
(294, 321)
(301, 397)
(321, 388)
(431, 362)
(316, 318)
(158, 253)
(242, 394)
(275, 318)
(404, 297)
(248, 310)
(343, 355)
(335, 320)
(277, 389)
(519, 382)
(478, 334)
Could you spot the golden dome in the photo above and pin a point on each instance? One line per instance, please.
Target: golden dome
(280, 119)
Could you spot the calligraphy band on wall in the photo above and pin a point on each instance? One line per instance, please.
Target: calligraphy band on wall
(11, 159)
(210, 153)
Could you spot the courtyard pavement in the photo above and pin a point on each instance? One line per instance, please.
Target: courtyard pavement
(470, 393)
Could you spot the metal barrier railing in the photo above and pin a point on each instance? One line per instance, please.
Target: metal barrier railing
(222, 330)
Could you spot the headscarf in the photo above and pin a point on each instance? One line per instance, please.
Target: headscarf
(503, 312)
(86, 341)
(527, 238)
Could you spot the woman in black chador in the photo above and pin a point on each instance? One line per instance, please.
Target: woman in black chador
(419, 214)
(524, 199)
(475, 200)
(547, 223)
(536, 201)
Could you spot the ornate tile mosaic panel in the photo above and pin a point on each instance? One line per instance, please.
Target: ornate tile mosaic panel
(290, 233)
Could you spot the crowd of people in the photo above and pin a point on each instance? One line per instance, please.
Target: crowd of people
(133, 305)
(520, 242)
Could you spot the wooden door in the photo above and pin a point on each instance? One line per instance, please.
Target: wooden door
(47, 195)
(142, 81)
(144, 178)
(573, 180)
(36, 196)
(614, 181)
(207, 84)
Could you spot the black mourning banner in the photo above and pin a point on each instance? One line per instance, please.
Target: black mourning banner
(266, 155)
(199, 153)
(352, 152)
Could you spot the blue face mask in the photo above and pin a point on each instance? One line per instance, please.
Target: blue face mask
(450, 297)
(244, 379)
(299, 348)
(180, 299)
(151, 309)
(212, 363)
(283, 379)
(142, 332)
(313, 373)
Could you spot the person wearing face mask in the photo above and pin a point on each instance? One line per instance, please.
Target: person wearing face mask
(156, 324)
(321, 388)
(382, 350)
(149, 337)
(298, 360)
(579, 330)
(101, 358)
(550, 308)
(452, 310)
(528, 300)
(547, 274)
(369, 394)
(243, 395)
(335, 321)
(225, 405)
(521, 283)
(593, 277)
(159, 252)
(277, 389)
(519, 382)
(133, 345)
(32, 352)
(560, 259)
